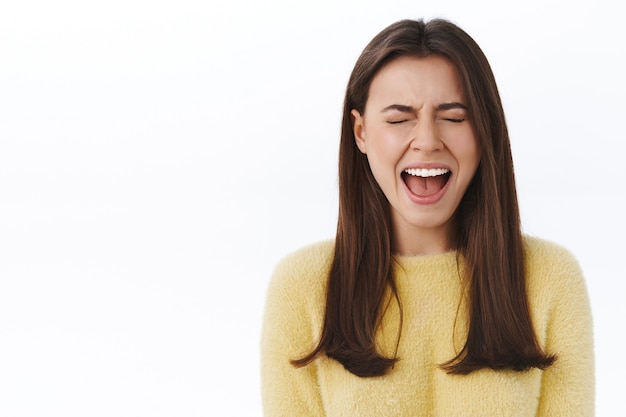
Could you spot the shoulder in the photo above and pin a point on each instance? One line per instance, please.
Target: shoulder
(311, 258)
(545, 257)
(294, 306)
(561, 314)
(304, 271)
(553, 273)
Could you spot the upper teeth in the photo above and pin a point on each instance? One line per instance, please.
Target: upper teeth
(426, 172)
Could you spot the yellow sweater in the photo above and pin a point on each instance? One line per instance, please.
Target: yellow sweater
(430, 289)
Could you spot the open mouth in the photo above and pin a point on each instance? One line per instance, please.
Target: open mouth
(426, 182)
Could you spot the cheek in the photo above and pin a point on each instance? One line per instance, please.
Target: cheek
(383, 158)
(379, 167)
(474, 155)
(386, 145)
(466, 151)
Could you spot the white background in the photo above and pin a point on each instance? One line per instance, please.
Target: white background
(157, 158)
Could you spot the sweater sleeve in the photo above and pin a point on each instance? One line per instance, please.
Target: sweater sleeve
(289, 333)
(568, 385)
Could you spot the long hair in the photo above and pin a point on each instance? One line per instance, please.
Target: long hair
(487, 231)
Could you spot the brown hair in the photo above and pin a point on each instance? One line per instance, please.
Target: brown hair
(488, 235)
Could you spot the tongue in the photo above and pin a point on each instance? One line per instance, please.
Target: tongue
(425, 186)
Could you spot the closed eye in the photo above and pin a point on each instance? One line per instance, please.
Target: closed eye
(397, 122)
(453, 120)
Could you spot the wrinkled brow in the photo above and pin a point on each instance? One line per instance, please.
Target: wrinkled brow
(410, 109)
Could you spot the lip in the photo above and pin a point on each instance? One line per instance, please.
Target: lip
(431, 199)
(427, 165)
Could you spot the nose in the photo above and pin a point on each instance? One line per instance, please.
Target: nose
(425, 137)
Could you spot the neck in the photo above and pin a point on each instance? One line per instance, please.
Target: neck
(412, 241)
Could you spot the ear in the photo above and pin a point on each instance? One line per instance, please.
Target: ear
(358, 127)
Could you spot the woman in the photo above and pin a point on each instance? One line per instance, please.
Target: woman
(430, 301)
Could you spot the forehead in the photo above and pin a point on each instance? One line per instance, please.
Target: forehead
(417, 81)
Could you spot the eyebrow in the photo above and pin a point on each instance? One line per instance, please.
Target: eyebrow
(451, 106)
(410, 109)
(399, 107)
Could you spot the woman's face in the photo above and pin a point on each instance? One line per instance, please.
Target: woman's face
(421, 148)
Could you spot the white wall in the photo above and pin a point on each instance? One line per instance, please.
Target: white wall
(158, 158)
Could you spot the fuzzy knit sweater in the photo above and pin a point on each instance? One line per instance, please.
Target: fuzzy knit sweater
(434, 330)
